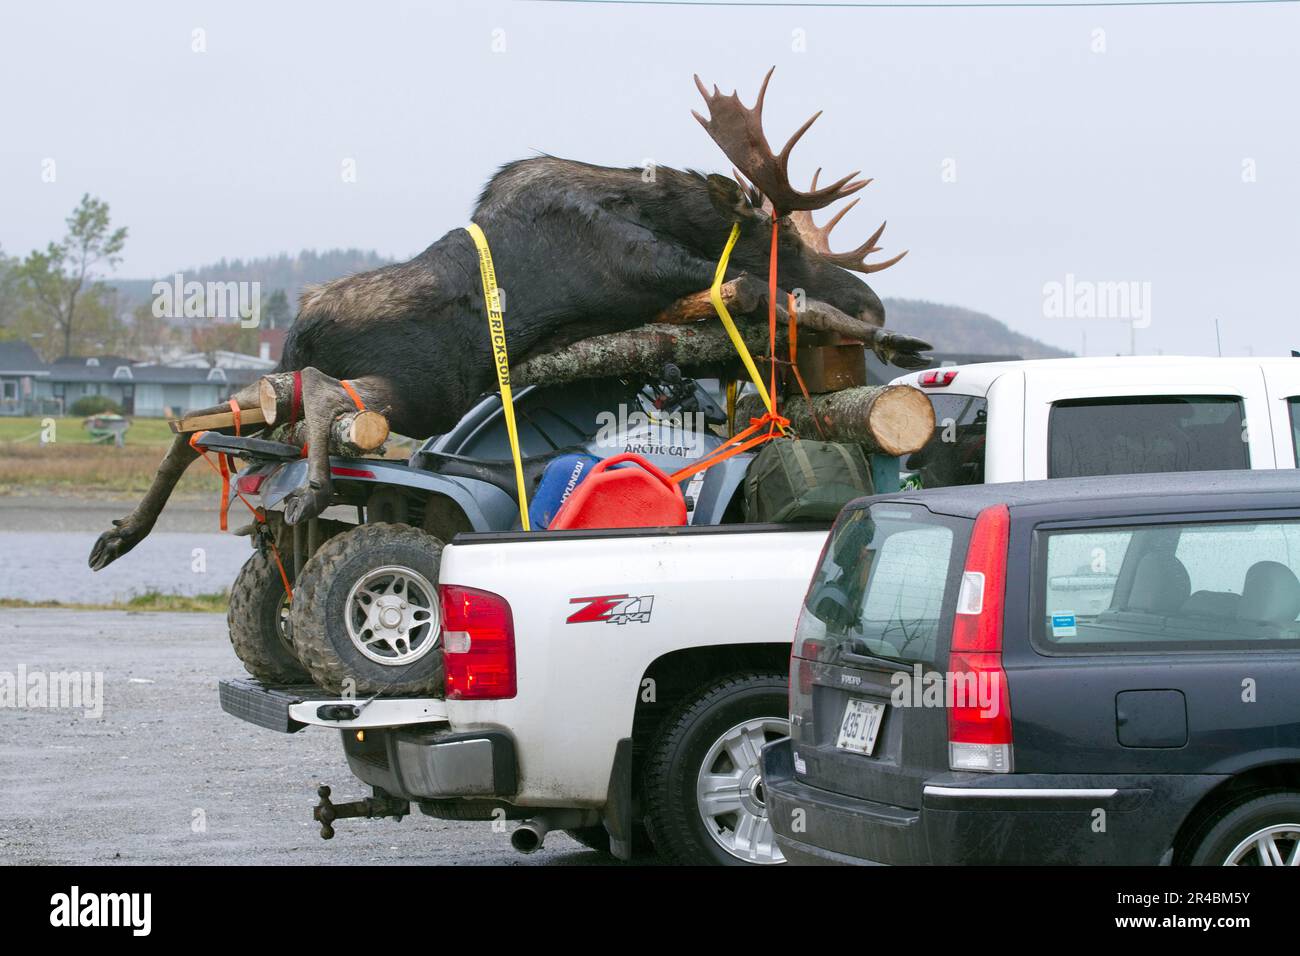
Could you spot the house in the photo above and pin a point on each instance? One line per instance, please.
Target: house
(20, 369)
(148, 390)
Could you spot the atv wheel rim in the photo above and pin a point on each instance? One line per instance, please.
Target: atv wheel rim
(1271, 846)
(282, 625)
(393, 616)
(729, 791)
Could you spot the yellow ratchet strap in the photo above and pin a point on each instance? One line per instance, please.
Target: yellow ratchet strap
(500, 358)
(715, 296)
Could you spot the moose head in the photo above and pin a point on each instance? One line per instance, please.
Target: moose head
(762, 192)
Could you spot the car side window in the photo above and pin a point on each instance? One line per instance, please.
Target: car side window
(1294, 405)
(1192, 585)
(1146, 434)
(1084, 570)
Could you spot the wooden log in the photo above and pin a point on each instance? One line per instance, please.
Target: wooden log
(740, 298)
(691, 344)
(747, 298)
(275, 394)
(642, 351)
(352, 434)
(203, 423)
(885, 419)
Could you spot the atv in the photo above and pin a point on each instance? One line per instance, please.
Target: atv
(365, 615)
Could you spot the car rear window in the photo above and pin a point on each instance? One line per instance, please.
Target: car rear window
(1145, 434)
(955, 453)
(886, 583)
(1200, 585)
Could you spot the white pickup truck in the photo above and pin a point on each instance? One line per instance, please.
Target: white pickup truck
(618, 684)
(1064, 418)
(608, 683)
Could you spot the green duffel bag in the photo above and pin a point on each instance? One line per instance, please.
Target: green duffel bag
(795, 479)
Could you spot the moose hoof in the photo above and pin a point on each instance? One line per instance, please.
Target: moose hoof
(305, 504)
(112, 544)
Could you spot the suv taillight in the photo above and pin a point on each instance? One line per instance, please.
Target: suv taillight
(478, 644)
(979, 715)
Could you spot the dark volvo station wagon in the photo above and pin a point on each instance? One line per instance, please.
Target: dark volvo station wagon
(1098, 670)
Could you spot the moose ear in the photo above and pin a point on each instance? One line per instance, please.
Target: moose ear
(729, 199)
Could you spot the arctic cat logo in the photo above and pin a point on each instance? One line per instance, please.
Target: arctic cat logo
(612, 609)
(675, 451)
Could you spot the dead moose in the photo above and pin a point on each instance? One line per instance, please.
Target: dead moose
(582, 250)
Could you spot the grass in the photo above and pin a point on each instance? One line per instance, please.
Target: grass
(217, 601)
(143, 431)
(81, 468)
(71, 463)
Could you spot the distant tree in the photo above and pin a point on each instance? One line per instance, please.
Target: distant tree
(59, 285)
(10, 297)
(148, 337)
(224, 337)
(277, 313)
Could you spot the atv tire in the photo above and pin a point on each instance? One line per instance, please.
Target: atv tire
(366, 617)
(258, 620)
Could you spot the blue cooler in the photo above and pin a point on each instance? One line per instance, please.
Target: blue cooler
(558, 481)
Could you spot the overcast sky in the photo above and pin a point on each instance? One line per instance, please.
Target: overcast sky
(1010, 147)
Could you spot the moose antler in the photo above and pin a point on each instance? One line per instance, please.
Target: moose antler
(817, 238)
(738, 130)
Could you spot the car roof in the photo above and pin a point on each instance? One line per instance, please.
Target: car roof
(970, 500)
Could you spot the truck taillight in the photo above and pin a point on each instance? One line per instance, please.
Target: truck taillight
(979, 715)
(937, 378)
(478, 644)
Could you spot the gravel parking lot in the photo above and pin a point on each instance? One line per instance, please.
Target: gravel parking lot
(165, 776)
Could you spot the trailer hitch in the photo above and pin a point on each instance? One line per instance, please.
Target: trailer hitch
(380, 805)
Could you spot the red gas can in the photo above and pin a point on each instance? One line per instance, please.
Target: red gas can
(636, 496)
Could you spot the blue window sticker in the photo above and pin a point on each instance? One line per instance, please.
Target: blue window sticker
(1064, 624)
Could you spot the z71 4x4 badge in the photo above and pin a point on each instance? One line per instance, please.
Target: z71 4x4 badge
(612, 609)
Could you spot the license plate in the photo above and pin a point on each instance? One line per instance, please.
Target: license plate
(860, 726)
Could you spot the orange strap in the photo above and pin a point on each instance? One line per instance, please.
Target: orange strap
(771, 308)
(352, 393)
(737, 443)
(222, 468)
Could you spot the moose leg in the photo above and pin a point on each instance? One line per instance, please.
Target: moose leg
(324, 399)
(127, 532)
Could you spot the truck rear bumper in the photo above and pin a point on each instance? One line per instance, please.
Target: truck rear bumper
(403, 746)
(432, 763)
(290, 708)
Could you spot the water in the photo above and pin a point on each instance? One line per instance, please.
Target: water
(51, 566)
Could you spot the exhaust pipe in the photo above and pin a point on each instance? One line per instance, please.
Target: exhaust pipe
(529, 836)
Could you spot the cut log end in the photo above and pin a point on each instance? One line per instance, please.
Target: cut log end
(901, 419)
(883, 419)
(366, 430)
(266, 398)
